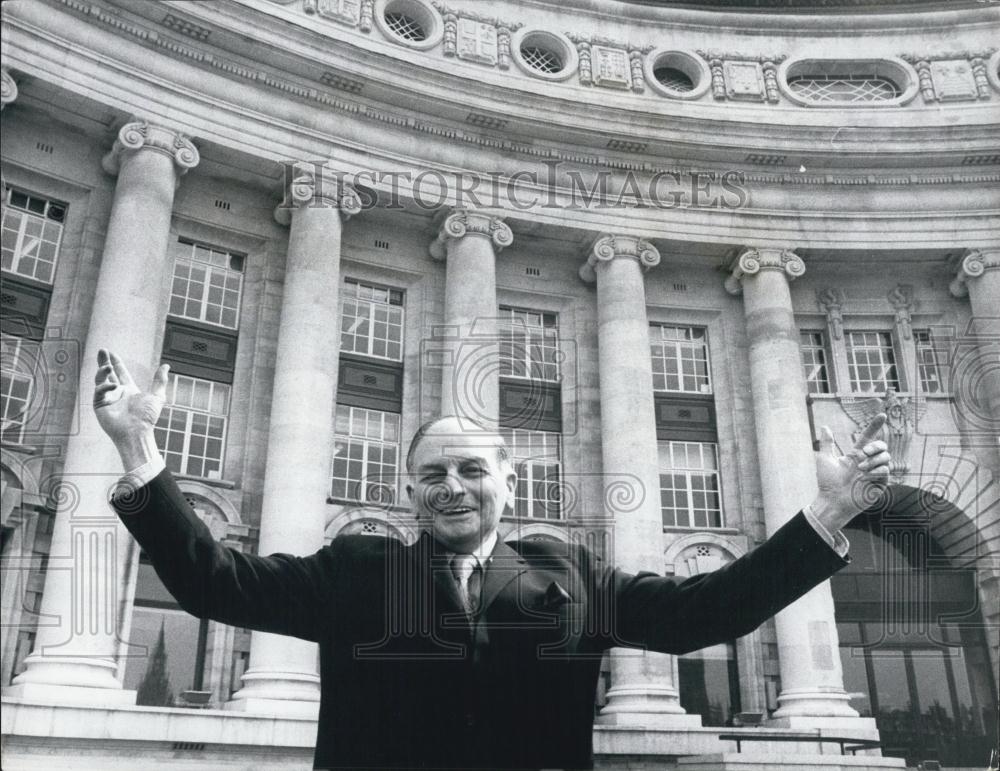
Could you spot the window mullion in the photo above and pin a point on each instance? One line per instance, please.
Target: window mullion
(185, 449)
(22, 225)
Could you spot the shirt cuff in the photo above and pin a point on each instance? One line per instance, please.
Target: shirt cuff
(144, 474)
(838, 542)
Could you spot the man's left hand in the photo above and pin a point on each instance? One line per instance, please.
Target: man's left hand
(850, 483)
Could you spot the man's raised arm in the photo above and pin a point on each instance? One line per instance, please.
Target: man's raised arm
(677, 616)
(281, 593)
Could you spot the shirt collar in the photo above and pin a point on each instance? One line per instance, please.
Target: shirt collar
(484, 552)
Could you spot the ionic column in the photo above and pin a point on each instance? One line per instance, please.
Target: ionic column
(811, 677)
(642, 683)
(74, 656)
(8, 93)
(282, 674)
(975, 380)
(470, 384)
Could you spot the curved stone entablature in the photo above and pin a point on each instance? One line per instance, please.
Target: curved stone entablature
(790, 178)
(330, 52)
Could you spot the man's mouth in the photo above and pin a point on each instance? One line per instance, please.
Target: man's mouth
(457, 512)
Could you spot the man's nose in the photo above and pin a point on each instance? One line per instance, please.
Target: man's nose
(453, 482)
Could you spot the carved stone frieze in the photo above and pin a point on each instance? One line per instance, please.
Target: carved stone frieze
(605, 62)
(345, 11)
(952, 76)
(476, 37)
(743, 78)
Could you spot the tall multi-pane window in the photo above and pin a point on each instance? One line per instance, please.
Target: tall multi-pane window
(16, 386)
(32, 232)
(680, 359)
(689, 484)
(366, 455)
(208, 283)
(537, 461)
(814, 364)
(191, 432)
(928, 362)
(371, 321)
(871, 362)
(529, 344)
(174, 644)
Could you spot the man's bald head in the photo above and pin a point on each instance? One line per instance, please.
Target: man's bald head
(454, 425)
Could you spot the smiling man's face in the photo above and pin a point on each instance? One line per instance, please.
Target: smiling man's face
(459, 485)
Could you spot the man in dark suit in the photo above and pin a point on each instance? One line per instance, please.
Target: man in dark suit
(461, 651)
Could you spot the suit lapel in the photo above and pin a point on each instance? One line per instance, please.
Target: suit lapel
(505, 565)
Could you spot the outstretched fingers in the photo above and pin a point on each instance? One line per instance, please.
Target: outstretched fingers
(160, 379)
(120, 369)
(872, 430)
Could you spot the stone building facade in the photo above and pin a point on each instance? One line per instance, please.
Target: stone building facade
(658, 243)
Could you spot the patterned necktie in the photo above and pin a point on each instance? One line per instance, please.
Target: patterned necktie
(468, 575)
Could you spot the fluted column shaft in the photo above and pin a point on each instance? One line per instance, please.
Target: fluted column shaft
(78, 634)
(642, 687)
(470, 384)
(811, 675)
(975, 377)
(282, 672)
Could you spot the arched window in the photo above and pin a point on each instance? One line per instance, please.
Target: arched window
(912, 644)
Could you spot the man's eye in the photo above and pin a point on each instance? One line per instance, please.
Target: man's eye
(473, 470)
(431, 478)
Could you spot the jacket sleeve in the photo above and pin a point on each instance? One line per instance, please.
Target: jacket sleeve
(281, 593)
(672, 615)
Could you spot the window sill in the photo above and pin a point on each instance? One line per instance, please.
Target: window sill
(724, 530)
(223, 484)
(394, 508)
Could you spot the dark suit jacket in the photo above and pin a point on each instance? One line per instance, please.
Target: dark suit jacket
(408, 682)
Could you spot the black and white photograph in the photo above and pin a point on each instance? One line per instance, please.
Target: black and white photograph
(500, 385)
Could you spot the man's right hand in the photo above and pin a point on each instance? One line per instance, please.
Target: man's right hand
(126, 414)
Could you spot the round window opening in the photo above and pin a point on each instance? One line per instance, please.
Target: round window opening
(405, 27)
(850, 87)
(542, 59)
(673, 78)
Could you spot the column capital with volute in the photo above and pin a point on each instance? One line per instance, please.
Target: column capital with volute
(316, 186)
(752, 261)
(974, 263)
(609, 246)
(141, 134)
(465, 222)
(8, 88)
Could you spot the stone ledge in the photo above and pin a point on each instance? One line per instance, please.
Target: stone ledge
(786, 762)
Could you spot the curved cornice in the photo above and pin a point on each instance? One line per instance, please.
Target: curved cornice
(353, 72)
(263, 115)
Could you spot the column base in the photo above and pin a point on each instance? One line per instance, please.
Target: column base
(814, 702)
(862, 727)
(66, 695)
(630, 716)
(274, 707)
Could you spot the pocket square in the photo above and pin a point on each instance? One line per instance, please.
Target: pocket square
(555, 596)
